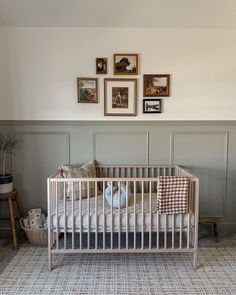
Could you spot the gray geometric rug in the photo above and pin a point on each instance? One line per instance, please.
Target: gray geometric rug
(121, 273)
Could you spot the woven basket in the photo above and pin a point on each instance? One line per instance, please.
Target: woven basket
(35, 236)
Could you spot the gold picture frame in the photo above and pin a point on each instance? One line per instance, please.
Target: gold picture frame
(125, 64)
(87, 90)
(101, 65)
(156, 85)
(120, 97)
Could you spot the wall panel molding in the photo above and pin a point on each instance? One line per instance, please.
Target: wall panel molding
(145, 136)
(224, 155)
(65, 133)
(148, 141)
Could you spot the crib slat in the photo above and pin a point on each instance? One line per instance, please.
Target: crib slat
(119, 235)
(111, 214)
(80, 217)
(142, 241)
(88, 214)
(165, 233)
(73, 218)
(158, 230)
(150, 214)
(173, 231)
(65, 221)
(57, 222)
(188, 233)
(104, 216)
(180, 231)
(127, 218)
(96, 214)
(134, 214)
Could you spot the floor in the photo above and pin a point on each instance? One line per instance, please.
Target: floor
(206, 235)
(25, 271)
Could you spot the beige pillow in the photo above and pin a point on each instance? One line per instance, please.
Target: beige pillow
(88, 170)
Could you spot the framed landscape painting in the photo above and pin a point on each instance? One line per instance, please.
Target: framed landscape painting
(156, 85)
(87, 90)
(120, 97)
(151, 106)
(125, 64)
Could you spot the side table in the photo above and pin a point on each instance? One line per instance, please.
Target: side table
(215, 221)
(10, 199)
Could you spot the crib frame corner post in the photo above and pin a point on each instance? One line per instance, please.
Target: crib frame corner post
(196, 212)
(49, 226)
(195, 264)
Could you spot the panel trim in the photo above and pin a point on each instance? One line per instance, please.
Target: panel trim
(121, 133)
(65, 133)
(115, 122)
(226, 155)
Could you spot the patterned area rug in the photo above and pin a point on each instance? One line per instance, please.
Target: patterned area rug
(121, 273)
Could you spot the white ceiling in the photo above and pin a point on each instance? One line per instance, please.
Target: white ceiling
(120, 13)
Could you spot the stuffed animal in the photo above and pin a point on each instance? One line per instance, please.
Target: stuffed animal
(115, 198)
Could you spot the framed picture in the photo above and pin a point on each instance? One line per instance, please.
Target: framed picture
(125, 64)
(120, 97)
(151, 106)
(156, 85)
(101, 65)
(87, 90)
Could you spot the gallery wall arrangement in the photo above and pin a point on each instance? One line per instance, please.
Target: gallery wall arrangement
(120, 94)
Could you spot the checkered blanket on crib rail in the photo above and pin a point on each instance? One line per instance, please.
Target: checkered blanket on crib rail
(172, 194)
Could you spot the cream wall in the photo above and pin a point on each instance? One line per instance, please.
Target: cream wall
(39, 66)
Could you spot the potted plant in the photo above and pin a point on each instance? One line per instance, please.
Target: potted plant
(7, 144)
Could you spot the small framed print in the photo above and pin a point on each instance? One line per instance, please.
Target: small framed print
(101, 65)
(156, 85)
(151, 106)
(120, 97)
(125, 64)
(87, 90)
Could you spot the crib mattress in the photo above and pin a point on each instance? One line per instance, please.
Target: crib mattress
(143, 220)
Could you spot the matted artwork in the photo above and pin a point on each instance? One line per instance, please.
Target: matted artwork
(151, 106)
(125, 64)
(87, 90)
(101, 65)
(120, 97)
(156, 85)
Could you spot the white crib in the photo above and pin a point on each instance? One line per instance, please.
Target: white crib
(91, 226)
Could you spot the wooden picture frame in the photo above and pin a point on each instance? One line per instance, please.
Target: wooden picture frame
(120, 97)
(125, 64)
(152, 106)
(101, 65)
(87, 90)
(156, 85)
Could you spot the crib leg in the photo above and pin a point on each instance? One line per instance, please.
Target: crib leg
(49, 260)
(195, 260)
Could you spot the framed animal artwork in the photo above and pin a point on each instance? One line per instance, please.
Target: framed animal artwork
(101, 65)
(120, 97)
(125, 64)
(156, 85)
(87, 89)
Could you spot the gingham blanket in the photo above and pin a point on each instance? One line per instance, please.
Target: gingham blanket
(172, 194)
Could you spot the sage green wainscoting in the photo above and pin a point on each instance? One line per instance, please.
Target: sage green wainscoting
(208, 149)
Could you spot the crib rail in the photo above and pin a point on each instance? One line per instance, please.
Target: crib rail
(88, 224)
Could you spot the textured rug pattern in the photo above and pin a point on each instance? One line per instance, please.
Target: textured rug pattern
(121, 273)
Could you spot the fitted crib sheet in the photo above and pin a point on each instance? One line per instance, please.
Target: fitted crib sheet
(140, 222)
